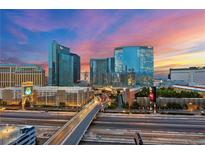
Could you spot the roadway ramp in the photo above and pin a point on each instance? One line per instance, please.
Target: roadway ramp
(72, 132)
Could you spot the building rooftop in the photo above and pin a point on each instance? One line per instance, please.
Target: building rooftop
(139, 46)
(100, 59)
(67, 89)
(10, 133)
(51, 88)
(189, 68)
(91, 59)
(22, 66)
(6, 65)
(73, 54)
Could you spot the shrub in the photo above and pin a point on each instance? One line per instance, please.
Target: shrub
(135, 105)
(174, 106)
(113, 105)
(143, 93)
(170, 92)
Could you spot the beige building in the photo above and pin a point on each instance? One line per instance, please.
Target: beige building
(49, 96)
(12, 75)
(191, 76)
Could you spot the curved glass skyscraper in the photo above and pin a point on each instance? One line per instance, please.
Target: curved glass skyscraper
(64, 67)
(137, 61)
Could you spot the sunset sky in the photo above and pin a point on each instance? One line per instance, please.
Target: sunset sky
(178, 36)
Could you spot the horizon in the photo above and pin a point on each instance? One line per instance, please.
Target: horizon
(177, 36)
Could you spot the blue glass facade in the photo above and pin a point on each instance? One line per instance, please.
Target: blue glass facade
(65, 76)
(138, 60)
(63, 66)
(101, 71)
(76, 67)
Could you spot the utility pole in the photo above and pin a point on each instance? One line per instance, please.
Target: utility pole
(152, 96)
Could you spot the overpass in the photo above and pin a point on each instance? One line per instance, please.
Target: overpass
(72, 132)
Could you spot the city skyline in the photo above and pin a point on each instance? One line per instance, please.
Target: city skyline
(177, 36)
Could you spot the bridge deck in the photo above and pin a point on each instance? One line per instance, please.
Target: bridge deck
(74, 129)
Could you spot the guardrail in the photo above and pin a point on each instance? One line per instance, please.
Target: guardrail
(87, 126)
(82, 134)
(68, 123)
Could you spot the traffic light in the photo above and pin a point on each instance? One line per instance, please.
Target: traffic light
(152, 94)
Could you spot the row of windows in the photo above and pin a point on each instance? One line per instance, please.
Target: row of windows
(10, 80)
(13, 69)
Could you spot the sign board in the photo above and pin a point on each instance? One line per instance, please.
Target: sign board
(28, 91)
(152, 94)
(27, 84)
(27, 88)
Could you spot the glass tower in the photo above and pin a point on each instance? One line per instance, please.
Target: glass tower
(76, 67)
(101, 71)
(135, 61)
(63, 66)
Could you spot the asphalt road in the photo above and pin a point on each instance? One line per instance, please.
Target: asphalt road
(35, 118)
(32, 121)
(154, 129)
(37, 115)
(75, 137)
(77, 122)
(175, 123)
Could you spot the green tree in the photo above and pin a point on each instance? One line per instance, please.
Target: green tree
(143, 93)
(170, 92)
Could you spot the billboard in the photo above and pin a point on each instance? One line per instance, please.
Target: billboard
(28, 90)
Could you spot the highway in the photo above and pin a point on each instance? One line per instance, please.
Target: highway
(32, 121)
(73, 125)
(46, 123)
(74, 129)
(36, 114)
(36, 118)
(78, 133)
(154, 129)
(157, 124)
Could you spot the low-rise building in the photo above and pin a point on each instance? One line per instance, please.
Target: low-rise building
(49, 95)
(191, 76)
(16, 135)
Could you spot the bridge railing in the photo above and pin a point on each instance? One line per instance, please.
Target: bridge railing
(67, 124)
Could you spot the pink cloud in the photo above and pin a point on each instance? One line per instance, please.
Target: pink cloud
(165, 30)
(21, 37)
(165, 34)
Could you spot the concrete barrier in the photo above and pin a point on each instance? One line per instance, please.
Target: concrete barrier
(164, 100)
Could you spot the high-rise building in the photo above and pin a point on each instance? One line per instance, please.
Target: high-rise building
(30, 72)
(101, 71)
(191, 76)
(136, 60)
(7, 75)
(64, 67)
(12, 75)
(76, 67)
